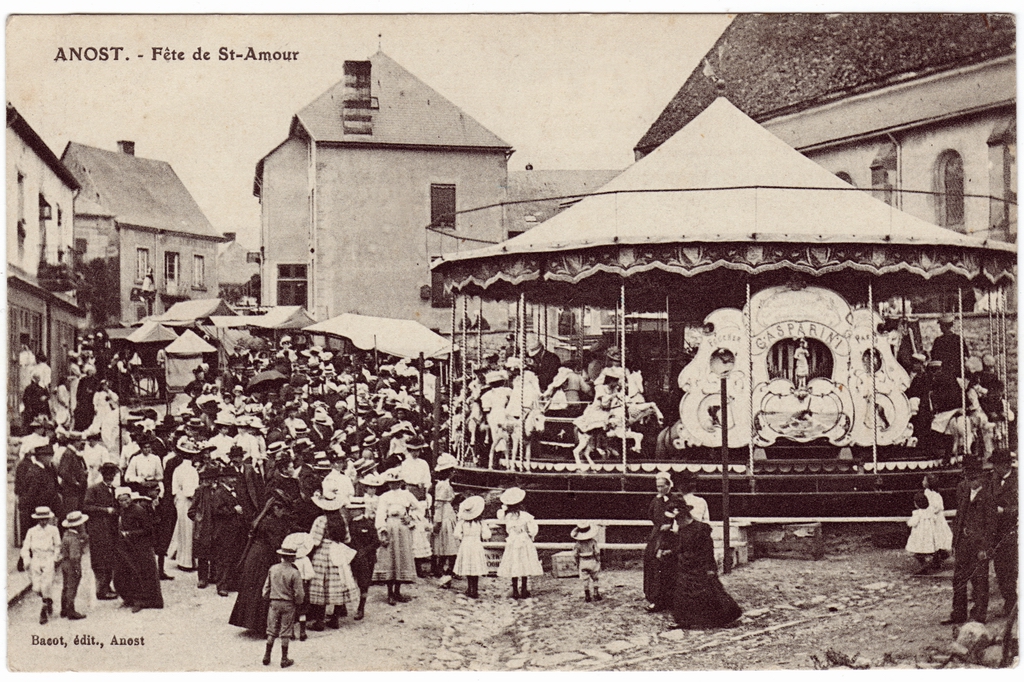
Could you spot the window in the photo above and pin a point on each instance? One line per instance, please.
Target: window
(141, 264)
(442, 206)
(883, 173)
(172, 267)
(291, 285)
(439, 298)
(198, 272)
(22, 228)
(950, 189)
(81, 247)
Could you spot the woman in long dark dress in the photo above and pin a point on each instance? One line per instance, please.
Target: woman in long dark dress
(700, 601)
(135, 573)
(659, 572)
(250, 611)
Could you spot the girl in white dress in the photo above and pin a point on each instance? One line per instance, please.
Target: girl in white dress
(519, 561)
(471, 561)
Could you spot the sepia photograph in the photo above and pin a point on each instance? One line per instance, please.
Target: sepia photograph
(511, 342)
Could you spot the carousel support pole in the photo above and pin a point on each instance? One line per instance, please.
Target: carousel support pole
(451, 383)
(420, 364)
(625, 376)
(480, 335)
(668, 345)
(464, 357)
(522, 381)
(725, 475)
(874, 383)
(750, 390)
(963, 375)
(376, 361)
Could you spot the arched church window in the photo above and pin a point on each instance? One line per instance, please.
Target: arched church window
(950, 176)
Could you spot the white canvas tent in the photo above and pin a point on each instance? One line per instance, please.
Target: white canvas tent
(183, 356)
(185, 313)
(402, 338)
(151, 332)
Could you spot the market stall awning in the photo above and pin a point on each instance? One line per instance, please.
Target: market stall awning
(403, 338)
(189, 343)
(285, 317)
(151, 332)
(187, 312)
(723, 192)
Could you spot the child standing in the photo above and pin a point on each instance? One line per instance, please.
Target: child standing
(39, 553)
(365, 542)
(519, 561)
(72, 547)
(588, 558)
(922, 542)
(305, 546)
(285, 591)
(446, 545)
(471, 561)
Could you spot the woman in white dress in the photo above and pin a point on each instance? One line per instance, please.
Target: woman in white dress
(395, 564)
(519, 561)
(184, 482)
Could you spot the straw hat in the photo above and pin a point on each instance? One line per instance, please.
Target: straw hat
(373, 480)
(321, 461)
(512, 496)
(332, 503)
(224, 419)
(534, 347)
(584, 530)
(393, 475)
(74, 519)
(290, 545)
(495, 376)
(122, 490)
(471, 508)
(42, 513)
(445, 461)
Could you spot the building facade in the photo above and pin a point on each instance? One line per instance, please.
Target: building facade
(365, 191)
(43, 315)
(138, 229)
(238, 270)
(919, 109)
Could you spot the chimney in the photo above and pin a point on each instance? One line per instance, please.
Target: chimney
(357, 105)
(126, 147)
(230, 236)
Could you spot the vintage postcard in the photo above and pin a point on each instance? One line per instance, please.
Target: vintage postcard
(565, 342)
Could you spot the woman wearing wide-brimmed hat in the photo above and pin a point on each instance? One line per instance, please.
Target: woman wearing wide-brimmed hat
(333, 584)
(395, 562)
(699, 601)
(519, 560)
(471, 560)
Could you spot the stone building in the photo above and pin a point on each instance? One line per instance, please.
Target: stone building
(136, 216)
(238, 269)
(42, 310)
(363, 193)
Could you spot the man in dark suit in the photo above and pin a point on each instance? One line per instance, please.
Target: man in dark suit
(35, 484)
(973, 535)
(1004, 554)
(543, 362)
(102, 508)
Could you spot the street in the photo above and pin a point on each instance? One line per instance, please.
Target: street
(858, 600)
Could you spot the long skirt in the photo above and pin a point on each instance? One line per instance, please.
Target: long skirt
(520, 558)
(396, 562)
(167, 516)
(332, 583)
(421, 548)
(181, 541)
(250, 610)
(445, 542)
(701, 602)
(135, 576)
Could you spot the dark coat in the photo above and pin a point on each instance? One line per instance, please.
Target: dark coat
(250, 610)
(700, 601)
(102, 524)
(74, 479)
(365, 541)
(252, 490)
(135, 573)
(201, 513)
(35, 486)
(84, 410)
(166, 512)
(1005, 496)
(974, 527)
(37, 402)
(545, 366)
(653, 578)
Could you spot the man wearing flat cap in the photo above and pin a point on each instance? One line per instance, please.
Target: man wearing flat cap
(946, 348)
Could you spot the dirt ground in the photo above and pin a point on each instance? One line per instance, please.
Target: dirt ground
(857, 601)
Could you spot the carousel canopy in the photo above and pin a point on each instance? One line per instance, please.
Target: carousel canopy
(724, 193)
(403, 338)
(189, 343)
(151, 332)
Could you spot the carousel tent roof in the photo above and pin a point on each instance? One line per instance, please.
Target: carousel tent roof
(740, 184)
(189, 343)
(185, 312)
(151, 332)
(403, 338)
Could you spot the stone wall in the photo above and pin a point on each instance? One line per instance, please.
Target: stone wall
(978, 340)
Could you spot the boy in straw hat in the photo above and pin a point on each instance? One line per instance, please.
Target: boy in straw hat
(284, 589)
(39, 551)
(588, 557)
(72, 547)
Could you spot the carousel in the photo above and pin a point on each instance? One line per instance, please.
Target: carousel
(757, 312)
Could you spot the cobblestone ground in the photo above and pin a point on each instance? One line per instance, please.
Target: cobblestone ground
(864, 602)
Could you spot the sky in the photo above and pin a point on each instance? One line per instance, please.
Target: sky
(566, 91)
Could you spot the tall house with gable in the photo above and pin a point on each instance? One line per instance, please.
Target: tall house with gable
(365, 190)
(918, 109)
(136, 219)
